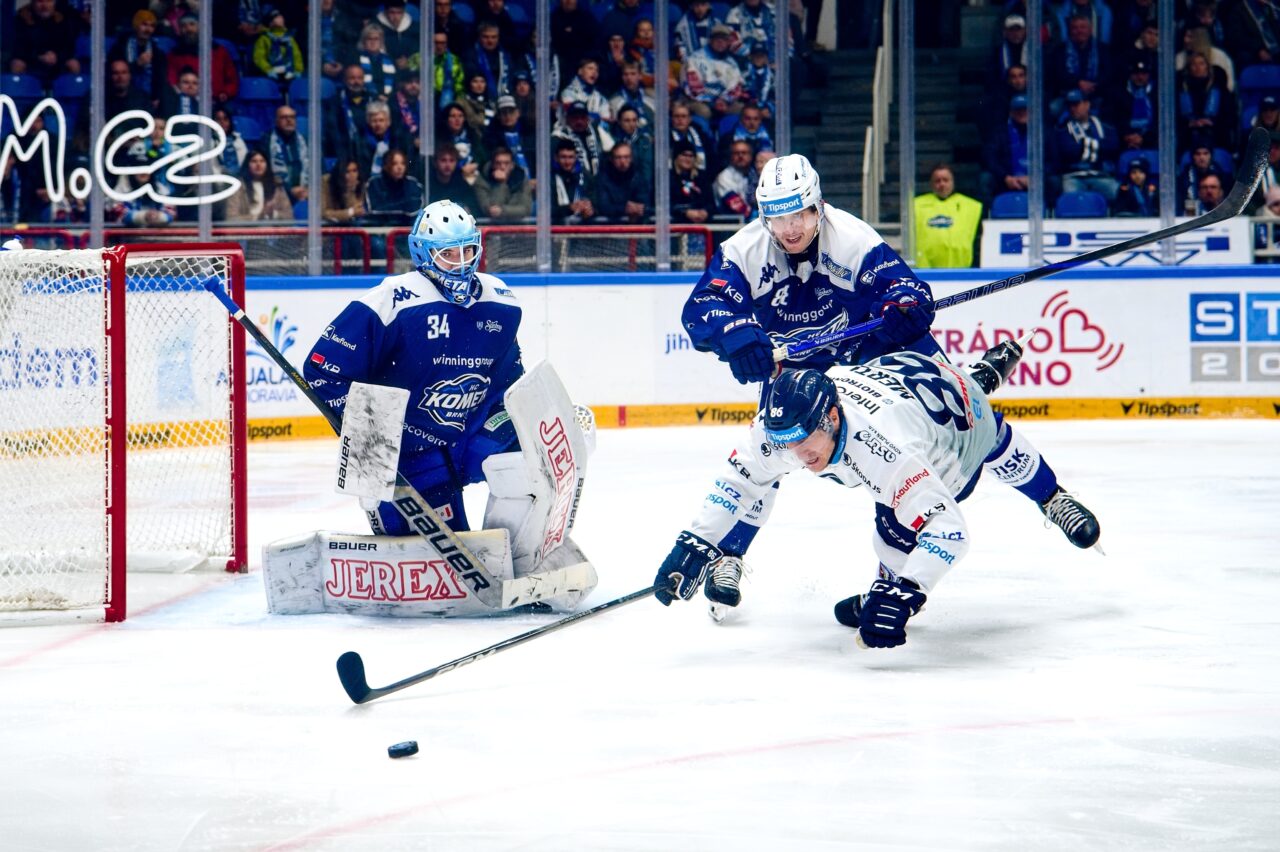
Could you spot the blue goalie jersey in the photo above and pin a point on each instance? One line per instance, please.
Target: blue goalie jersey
(456, 363)
(839, 281)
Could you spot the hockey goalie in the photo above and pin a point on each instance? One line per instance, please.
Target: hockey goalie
(425, 371)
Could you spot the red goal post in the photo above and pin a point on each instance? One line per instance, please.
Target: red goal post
(122, 422)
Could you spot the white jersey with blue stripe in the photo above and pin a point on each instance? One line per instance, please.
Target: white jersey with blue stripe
(914, 432)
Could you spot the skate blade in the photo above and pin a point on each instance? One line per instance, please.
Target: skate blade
(719, 612)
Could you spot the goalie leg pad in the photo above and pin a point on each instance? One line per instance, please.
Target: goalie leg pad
(396, 576)
(511, 506)
(539, 503)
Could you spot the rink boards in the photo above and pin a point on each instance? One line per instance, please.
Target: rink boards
(1135, 343)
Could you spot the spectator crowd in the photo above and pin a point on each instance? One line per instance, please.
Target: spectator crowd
(720, 80)
(1102, 104)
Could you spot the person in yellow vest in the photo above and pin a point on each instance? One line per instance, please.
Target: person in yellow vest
(946, 223)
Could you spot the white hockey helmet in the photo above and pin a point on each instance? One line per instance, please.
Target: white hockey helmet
(788, 184)
(443, 225)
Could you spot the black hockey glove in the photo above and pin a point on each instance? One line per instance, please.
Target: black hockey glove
(685, 568)
(749, 353)
(906, 311)
(882, 621)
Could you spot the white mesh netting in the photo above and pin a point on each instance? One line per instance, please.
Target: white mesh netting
(54, 454)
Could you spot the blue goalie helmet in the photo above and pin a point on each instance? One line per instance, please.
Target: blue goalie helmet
(444, 225)
(798, 404)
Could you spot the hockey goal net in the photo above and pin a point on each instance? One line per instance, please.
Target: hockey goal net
(122, 423)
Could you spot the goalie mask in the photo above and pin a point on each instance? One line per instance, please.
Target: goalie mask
(789, 198)
(445, 247)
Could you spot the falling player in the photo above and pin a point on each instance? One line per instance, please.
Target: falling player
(914, 432)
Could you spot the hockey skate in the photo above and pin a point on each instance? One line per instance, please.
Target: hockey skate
(996, 364)
(723, 586)
(1068, 514)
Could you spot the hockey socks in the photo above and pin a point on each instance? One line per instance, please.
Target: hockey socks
(1016, 462)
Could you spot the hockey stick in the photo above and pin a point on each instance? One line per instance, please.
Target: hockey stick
(489, 590)
(351, 666)
(1253, 164)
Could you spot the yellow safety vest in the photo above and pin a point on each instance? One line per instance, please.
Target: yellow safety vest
(945, 230)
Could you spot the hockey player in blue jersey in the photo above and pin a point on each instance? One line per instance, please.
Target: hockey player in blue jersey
(445, 332)
(805, 268)
(914, 432)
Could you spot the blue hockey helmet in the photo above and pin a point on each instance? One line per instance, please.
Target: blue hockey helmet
(444, 225)
(798, 405)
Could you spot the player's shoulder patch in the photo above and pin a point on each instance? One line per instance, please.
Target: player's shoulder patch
(835, 269)
(494, 289)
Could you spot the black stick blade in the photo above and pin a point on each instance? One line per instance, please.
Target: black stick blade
(351, 673)
(1252, 166)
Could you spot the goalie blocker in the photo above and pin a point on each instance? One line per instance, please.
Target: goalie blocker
(525, 544)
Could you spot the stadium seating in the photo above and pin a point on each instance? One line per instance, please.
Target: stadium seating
(1256, 81)
(250, 130)
(70, 91)
(1009, 205)
(299, 89)
(25, 89)
(1080, 205)
(1247, 115)
(84, 46)
(258, 99)
(520, 17)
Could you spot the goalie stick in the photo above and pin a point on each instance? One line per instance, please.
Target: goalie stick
(488, 589)
(351, 666)
(1253, 165)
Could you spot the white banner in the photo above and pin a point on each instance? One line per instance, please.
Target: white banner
(1179, 333)
(1006, 242)
(1206, 333)
(611, 344)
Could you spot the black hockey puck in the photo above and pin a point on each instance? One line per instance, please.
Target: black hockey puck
(403, 749)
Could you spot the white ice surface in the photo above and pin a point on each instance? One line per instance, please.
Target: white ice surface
(1048, 698)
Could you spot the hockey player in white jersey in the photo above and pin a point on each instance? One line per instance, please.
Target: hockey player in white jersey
(914, 432)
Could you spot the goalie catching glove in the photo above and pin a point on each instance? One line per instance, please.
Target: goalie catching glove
(685, 568)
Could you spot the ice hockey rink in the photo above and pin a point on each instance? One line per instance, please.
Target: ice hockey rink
(1047, 698)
